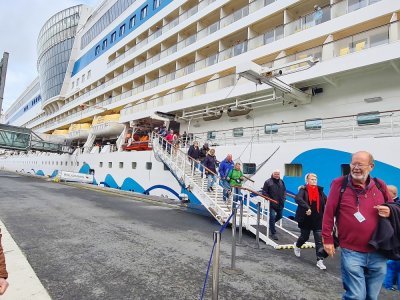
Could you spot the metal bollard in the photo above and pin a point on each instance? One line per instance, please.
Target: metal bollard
(233, 257)
(215, 283)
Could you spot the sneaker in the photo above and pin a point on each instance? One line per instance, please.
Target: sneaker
(274, 237)
(320, 264)
(212, 189)
(209, 190)
(297, 251)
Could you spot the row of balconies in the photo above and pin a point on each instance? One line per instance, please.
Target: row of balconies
(386, 34)
(225, 45)
(156, 79)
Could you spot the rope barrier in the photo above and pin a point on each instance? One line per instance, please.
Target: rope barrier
(221, 230)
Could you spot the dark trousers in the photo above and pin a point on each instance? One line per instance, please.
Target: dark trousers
(274, 216)
(305, 235)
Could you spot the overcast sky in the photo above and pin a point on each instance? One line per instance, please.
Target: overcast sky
(20, 24)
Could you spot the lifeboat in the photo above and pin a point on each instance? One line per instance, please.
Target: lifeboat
(60, 133)
(142, 144)
(79, 131)
(107, 125)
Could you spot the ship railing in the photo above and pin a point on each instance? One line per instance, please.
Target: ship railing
(364, 125)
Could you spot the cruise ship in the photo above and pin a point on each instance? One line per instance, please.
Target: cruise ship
(295, 85)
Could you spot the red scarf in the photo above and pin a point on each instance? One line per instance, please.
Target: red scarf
(313, 195)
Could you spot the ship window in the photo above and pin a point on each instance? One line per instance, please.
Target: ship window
(143, 13)
(109, 164)
(104, 45)
(132, 21)
(271, 128)
(156, 4)
(249, 168)
(97, 51)
(121, 164)
(293, 170)
(122, 30)
(113, 37)
(61, 163)
(149, 165)
(211, 135)
(77, 163)
(83, 78)
(89, 73)
(369, 118)
(312, 124)
(73, 84)
(345, 169)
(238, 132)
(166, 168)
(101, 164)
(134, 165)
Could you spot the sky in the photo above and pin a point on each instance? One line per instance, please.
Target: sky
(20, 24)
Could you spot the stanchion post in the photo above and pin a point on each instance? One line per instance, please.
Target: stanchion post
(215, 279)
(241, 221)
(258, 224)
(233, 257)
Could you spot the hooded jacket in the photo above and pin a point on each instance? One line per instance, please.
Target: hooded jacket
(386, 238)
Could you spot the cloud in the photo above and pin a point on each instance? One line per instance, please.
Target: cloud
(20, 24)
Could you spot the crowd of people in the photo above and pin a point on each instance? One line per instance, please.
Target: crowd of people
(361, 214)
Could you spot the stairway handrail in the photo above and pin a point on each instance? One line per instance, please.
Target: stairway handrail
(258, 194)
(187, 155)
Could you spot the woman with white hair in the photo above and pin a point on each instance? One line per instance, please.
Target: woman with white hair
(311, 202)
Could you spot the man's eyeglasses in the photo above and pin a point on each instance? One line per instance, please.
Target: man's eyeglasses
(359, 165)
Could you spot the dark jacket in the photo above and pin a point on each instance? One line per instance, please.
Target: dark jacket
(314, 221)
(386, 238)
(210, 163)
(3, 271)
(194, 152)
(275, 189)
(203, 152)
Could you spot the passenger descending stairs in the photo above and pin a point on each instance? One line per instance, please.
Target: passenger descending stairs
(195, 181)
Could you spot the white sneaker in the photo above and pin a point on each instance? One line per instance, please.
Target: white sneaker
(320, 264)
(296, 250)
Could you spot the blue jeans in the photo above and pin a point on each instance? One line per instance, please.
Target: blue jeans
(211, 179)
(237, 195)
(362, 274)
(392, 274)
(226, 188)
(274, 216)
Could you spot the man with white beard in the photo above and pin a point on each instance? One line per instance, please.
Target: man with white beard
(356, 203)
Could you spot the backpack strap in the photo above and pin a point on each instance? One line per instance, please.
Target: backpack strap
(343, 187)
(379, 186)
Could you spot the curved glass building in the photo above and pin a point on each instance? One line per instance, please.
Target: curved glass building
(54, 46)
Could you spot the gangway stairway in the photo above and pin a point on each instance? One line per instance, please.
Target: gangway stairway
(24, 139)
(189, 176)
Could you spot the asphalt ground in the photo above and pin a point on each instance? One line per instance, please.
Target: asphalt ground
(88, 244)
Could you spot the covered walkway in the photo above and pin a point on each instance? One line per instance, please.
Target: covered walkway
(24, 139)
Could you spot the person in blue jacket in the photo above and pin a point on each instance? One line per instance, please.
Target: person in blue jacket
(224, 168)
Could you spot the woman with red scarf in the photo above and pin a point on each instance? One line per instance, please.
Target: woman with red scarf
(311, 202)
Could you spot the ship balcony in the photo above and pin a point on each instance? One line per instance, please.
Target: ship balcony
(53, 104)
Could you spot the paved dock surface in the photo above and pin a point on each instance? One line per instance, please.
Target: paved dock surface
(85, 244)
